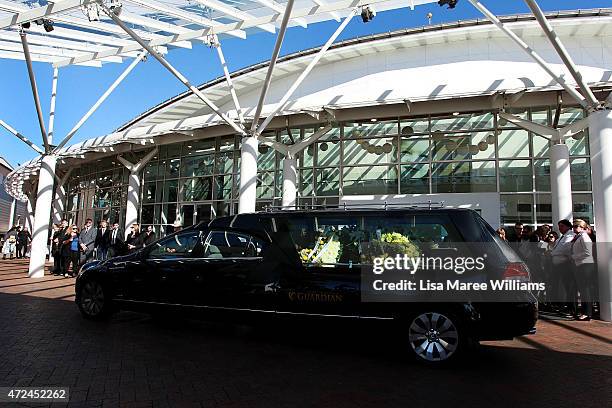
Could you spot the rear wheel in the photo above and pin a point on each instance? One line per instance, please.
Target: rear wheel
(93, 301)
(435, 337)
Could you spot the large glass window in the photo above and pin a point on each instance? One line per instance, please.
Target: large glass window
(327, 181)
(463, 177)
(516, 208)
(369, 180)
(414, 178)
(515, 175)
(513, 143)
(580, 170)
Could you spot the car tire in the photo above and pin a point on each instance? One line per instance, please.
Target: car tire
(93, 300)
(435, 337)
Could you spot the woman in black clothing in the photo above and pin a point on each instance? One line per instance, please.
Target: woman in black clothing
(132, 238)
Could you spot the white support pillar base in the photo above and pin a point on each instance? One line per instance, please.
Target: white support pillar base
(248, 175)
(289, 182)
(560, 183)
(40, 232)
(600, 141)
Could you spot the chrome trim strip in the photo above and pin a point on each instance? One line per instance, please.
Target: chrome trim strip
(256, 310)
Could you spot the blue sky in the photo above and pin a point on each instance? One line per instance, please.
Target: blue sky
(150, 84)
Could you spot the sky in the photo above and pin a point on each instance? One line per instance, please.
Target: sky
(150, 84)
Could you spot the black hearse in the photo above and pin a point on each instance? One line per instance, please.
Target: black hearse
(318, 264)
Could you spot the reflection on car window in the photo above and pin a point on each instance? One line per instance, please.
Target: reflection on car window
(350, 240)
(180, 245)
(225, 244)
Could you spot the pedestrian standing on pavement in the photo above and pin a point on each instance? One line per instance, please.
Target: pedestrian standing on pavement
(584, 272)
(563, 280)
(58, 240)
(10, 243)
(71, 251)
(132, 237)
(23, 242)
(87, 239)
(117, 244)
(102, 241)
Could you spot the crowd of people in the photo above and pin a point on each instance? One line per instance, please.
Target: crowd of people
(565, 261)
(16, 243)
(72, 247)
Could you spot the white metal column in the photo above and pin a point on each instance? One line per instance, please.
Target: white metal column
(29, 221)
(289, 182)
(59, 198)
(248, 175)
(600, 143)
(40, 231)
(133, 199)
(12, 214)
(134, 183)
(560, 183)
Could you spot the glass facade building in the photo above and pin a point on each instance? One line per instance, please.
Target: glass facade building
(461, 153)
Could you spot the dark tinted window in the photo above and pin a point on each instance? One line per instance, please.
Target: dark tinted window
(180, 245)
(227, 244)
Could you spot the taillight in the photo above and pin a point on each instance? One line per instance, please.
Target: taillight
(516, 271)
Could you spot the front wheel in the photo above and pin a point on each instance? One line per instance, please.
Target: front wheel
(93, 301)
(434, 337)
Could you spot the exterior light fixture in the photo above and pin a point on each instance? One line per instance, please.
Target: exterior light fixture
(502, 122)
(367, 14)
(491, 139)
(455, 113)
(473, 149)
(48, 25)
(483, 146)
(373, 120)
(387, 147)
(323, 146)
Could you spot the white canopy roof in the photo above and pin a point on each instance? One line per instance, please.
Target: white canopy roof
(84, 35)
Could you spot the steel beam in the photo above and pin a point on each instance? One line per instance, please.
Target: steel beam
(531, 52)
(281, 104)
(52, 107)
(565, 57)
(28, 60)
(230, 83)
(102, 98)
(277, 46)
(21, 137)
(173, 71)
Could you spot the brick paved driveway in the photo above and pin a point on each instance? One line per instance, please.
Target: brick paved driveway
(138, 362)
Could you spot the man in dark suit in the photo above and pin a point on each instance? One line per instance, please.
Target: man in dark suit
(58, 241)
(102, 242)
(88, 240)
(117, 244)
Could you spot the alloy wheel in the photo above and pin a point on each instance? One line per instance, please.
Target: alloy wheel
(433, 337)
(92, 298)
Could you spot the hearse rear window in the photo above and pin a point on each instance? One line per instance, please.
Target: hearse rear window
(329, 240)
